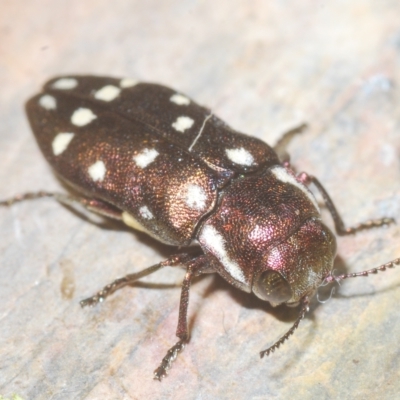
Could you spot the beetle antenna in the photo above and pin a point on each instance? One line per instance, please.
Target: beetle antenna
(383, 267)
(305, 307)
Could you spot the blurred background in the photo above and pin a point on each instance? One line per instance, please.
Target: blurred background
(263, 67)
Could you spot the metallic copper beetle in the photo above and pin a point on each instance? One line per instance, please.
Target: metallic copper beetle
(152, 158)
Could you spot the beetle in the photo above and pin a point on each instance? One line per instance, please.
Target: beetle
(151, 157)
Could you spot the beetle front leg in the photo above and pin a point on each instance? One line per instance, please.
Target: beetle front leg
(195, 268)
(339, 224)
(284, 140)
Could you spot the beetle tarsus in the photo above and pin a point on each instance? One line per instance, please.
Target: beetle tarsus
(100, 296)
(172, 353)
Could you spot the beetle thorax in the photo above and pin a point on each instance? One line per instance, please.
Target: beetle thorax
(267, 237)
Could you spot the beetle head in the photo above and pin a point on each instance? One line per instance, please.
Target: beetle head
(296, 267)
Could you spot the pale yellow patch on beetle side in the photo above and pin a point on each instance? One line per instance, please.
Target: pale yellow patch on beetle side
(128, 82)
(183, 123)
(97, 171)
(145, 157)
(132, 222)
(82, 116)
(107, 93)
(61, 142)
(65, 83)
(48, 102)
(179, 99)
(240, 156)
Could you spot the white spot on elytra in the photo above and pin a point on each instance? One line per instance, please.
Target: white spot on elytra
(82, 116)
(61, 142)
(65, 83)
(128, 82)
(281, 174)
(179, 99)
(145, 157)
(196, 197)
(214, 241)
(182, 123)
(146, 213)
(240, 156)
(48, 102)
(97, 171)
(107, 93)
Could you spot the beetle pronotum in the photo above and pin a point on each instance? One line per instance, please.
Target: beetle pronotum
(152, 158)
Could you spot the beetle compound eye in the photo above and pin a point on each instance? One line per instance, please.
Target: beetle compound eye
(273, 287)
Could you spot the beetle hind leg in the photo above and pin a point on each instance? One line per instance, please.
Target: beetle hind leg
(339, 224)
(26, 196)
(97, 206)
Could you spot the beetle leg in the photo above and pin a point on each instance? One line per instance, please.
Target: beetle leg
(27, 196)
(94, 205)
(100, 296)
(195, 268)
(283, 141)
(339, 224)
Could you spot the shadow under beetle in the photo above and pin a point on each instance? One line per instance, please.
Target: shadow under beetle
(152, 158)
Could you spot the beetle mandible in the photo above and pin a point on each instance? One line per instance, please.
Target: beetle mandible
(152, 158)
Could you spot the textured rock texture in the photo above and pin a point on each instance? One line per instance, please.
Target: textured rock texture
(263, 67)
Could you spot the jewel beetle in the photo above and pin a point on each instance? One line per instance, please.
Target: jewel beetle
(149, 156)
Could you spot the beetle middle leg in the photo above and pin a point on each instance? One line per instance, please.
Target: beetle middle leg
(97, 206)
(339, 224)
(100, 296)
